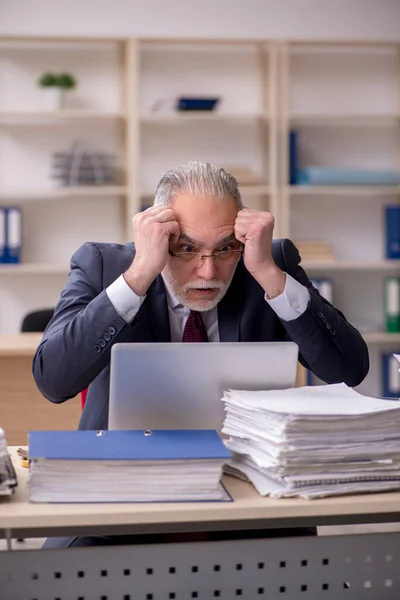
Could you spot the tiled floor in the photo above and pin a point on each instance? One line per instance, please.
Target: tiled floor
(34, 543)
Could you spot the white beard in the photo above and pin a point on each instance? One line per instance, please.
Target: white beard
(198, 305)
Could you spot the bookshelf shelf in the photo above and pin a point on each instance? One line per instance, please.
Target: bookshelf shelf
(209, 116)
(356, 190)
(47, 269)
(101, 191)
(348, 120)
(246, 191)
(56, 117)
(351, 265)
(382, 338)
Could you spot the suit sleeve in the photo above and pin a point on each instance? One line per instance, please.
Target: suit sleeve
(328, 344)
(77, 342)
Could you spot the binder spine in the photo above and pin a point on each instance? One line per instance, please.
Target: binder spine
(392, 214)
(325, 288)
(392, 304)
(13, 235)
(293, 158)
(390, 377)
(2, 235)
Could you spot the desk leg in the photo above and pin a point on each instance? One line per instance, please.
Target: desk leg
(8, 537)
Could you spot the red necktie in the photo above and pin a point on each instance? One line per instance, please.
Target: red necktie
(195, 330)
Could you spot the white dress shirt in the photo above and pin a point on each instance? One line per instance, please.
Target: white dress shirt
(288, 306)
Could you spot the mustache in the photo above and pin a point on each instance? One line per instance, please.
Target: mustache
(204, 285)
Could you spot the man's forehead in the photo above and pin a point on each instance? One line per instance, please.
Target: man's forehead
(187, 238)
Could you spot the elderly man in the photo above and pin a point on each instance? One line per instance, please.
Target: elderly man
(202, 268)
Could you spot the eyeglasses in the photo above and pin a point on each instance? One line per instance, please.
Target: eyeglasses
(225, 254)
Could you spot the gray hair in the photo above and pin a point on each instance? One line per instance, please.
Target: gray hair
(200, 179)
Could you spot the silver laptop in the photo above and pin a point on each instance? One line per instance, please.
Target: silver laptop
(179, 386)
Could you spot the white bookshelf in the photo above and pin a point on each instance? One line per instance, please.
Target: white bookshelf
(57, 220)
(343, 101)
(342, 98)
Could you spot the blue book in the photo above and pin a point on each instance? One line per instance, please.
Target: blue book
(293, 158)
(341, 176)
(324, 286)
(127, 466)
(390, 377)
(13, 234)
(392, 219)
(3, 234)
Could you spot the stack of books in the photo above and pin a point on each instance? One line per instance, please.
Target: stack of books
(126, 466)
(8, 478)
(313, 441)
(244, 175)
(315, 250)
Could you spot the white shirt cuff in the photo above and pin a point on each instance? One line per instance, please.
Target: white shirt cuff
(123, 299)
(292, 302)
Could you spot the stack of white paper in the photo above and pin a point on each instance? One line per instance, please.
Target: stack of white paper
(7, 474)
(313, 441)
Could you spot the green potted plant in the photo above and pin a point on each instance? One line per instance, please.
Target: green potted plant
(54, 87)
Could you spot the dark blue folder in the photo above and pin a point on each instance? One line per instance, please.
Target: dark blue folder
(160, 445)
(293, 158)
(392, 218)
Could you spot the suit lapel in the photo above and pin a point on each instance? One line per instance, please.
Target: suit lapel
(157, 310)
(230, 309)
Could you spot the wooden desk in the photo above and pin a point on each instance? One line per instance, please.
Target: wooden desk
(350, 566)
(22, 406)
(249, 509)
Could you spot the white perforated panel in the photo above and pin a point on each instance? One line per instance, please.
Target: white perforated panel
(348, 567)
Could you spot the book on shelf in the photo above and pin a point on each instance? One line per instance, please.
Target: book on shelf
(315, 250)
(8, 478)
(324, 286)
(341, 176)
(390, 376)
(245, 176)
(392, 222)
(10, 235)
(293, 157)
(392, 304)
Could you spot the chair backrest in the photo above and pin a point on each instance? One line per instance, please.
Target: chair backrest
(37, 320)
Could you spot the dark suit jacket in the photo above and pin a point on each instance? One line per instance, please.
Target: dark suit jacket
(75, 350)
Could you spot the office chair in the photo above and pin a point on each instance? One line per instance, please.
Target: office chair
(37, 321)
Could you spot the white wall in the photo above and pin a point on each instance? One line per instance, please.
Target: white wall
(339, 19)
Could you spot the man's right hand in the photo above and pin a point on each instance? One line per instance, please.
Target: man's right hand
(152, 231)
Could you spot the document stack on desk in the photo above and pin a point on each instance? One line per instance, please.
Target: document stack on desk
(8, 479)
(126, 466)
(313, 441)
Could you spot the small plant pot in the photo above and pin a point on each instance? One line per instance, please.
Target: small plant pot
(53, 97)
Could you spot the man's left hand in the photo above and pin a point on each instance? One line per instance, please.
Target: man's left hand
(254, 229)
